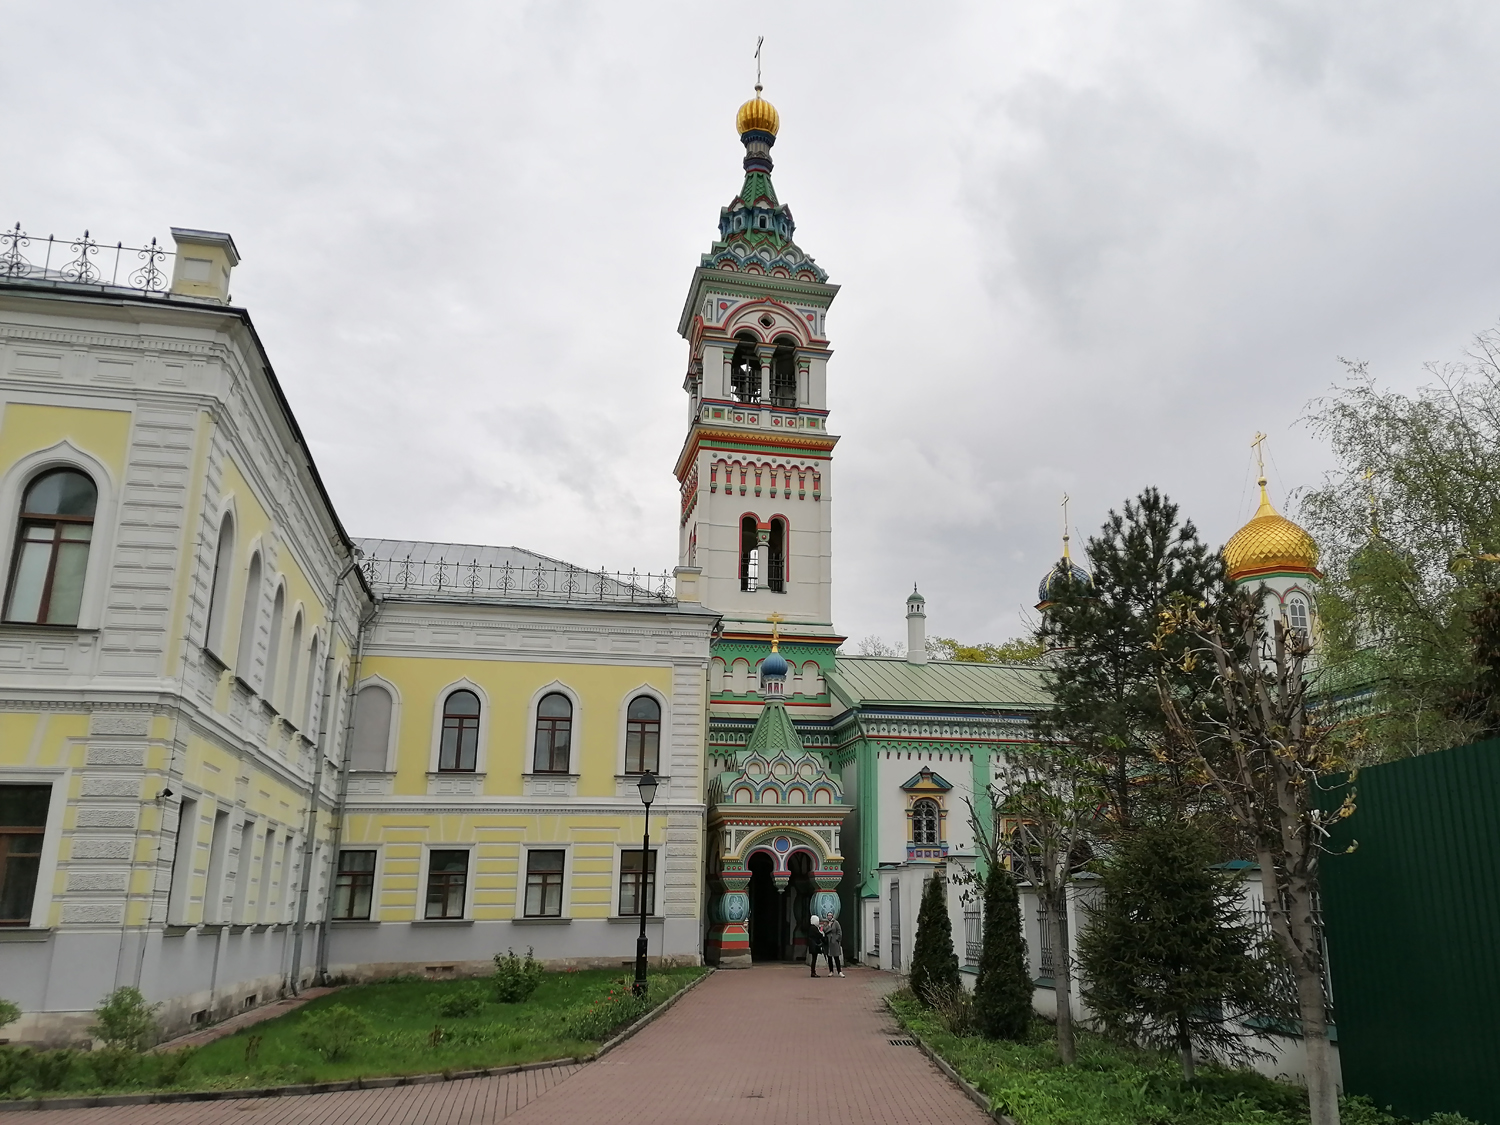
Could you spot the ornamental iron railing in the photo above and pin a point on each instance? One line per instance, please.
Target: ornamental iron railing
(397, 577)
(1260, 917)
(1046, 966)
(84, 261)
(973, 935)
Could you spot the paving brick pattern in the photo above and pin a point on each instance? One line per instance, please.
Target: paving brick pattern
(766, 1045)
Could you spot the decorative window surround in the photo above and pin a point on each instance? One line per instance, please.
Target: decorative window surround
(549, 784)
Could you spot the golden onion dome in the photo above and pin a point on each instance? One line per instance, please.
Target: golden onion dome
(758, 114)
(1270, 543)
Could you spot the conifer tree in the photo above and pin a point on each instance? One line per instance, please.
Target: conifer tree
(934, 965)
(1169, 957)
(1002, 991)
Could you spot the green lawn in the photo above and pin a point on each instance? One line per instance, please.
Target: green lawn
(1113, 1084)
(569, 1015)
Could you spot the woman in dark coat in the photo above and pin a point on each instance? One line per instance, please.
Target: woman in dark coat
(814, 943)
(833, 944)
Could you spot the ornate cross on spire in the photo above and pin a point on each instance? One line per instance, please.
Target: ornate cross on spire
(1065, 526)
(759, 40)
(1260, 460)
(775, 619)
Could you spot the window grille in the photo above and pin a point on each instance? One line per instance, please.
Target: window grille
(1045, 959)
(924, 822)
(973, 934)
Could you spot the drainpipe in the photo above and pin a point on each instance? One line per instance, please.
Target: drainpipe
(321, 976)
(309, 837)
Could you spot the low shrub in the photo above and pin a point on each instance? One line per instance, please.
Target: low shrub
(124, 1020)
(13, 1067)
(10, 1011)
(461, 1002)
(601, 1019)
(333, 1031)
(170, 1064)
(114, 1066)
(515, 980)
(50, 1069)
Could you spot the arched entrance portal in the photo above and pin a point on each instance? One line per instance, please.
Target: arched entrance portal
(779, 917)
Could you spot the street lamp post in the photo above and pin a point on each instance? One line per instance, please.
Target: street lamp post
(647, 787)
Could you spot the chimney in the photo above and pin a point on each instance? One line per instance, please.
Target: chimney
(204, 259)
(916, 627)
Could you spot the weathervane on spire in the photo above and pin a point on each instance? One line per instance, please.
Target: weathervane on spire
(759, 40)
(775, 619)
(1260, 459)
(1065, 526)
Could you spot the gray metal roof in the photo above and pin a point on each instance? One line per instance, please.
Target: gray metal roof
(865, 680)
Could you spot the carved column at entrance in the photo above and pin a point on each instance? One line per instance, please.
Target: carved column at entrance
(827, 899)
(729, 938)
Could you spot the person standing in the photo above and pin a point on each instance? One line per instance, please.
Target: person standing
(814, 942)
(833, 944)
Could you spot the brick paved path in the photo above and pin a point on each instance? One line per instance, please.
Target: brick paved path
(766, 1045)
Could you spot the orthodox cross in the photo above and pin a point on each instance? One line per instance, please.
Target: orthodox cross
(775, 619)
(1260, 459)
(1065, 525)
(758, 43)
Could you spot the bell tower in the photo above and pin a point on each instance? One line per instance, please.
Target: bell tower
(755, 467)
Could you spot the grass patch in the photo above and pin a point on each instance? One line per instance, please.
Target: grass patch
(1113, 1084)
(397, 1027)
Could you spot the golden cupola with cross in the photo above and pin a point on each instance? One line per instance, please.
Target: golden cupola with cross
(1270, 544)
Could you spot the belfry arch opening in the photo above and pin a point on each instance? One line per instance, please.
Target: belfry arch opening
(779, 918)
(776, 557)
(784, 373)
(749, 554)
(744, 369)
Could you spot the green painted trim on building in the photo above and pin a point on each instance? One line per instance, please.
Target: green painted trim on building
(979, 755)
(867, 767)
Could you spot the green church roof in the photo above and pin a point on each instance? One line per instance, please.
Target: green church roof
(865, 680)
(774, 733)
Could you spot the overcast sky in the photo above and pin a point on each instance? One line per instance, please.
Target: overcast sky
(1085, 247)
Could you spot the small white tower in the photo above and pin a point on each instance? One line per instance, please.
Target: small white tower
(916, 627)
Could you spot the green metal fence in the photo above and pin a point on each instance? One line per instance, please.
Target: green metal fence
(1413, 929)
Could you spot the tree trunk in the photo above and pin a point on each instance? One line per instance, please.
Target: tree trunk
(1322, 1091)
(1185, 1049)
(1062, 980)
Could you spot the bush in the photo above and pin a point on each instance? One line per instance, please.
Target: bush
(10, 1011)
(934, 965)
(468, 1001)
(50, 1069)
(170, 1064)
(954, 1008)
(601, 1019)
(124, 1020)
(13, 1067)
(333, 1031)
(114, 1066)
(515, 980)
(1002, 991)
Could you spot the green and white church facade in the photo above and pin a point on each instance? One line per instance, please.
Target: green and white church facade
(835, 783)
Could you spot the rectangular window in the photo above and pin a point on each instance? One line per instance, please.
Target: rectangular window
(544, 884)
(218, 859)
(184, 858)
(447, 883)
(634, 879)
(354, 886)
(265, 895)
(23, 823)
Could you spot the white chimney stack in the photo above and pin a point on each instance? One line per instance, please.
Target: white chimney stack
(916, 627)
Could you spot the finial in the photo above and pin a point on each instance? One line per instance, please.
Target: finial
(1260, 460)
(775, 619)
(1065, 527)
(760, 40)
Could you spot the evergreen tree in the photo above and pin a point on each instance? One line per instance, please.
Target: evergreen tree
(1104, 675)
(1002, 991)
(934, 965)
(1169, 957)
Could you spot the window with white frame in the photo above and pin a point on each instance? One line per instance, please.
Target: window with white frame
(372, 728)
(23, 823)
(354, 885)
(447, 883)
(544, 882)
(637, 878)
(554, 733)
(643, 735)
(1297, 615)
(459, 750)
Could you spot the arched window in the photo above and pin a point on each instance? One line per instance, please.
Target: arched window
(310, 700)
(924, 822)
(372, 727)
(218, 590)
(294, 652)
(249, 615)
(643, 735)
(554, 733)
(784, 373)
(1296, 615)
(460, 746)
(744, 369)
(52, 549)
(749, 556)
(776, 560)
(273, 645)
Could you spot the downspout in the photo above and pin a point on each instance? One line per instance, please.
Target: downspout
(321, 976)
(310, 832)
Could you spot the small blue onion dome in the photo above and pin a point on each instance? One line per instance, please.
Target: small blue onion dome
(1065, 573)
(774, 666)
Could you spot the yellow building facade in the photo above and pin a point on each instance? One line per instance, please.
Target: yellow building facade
(239, 749)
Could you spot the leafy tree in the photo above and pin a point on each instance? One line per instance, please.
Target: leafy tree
(1169, 956)
(1408, 527)
(124, 1020)
(873, 645)
(333, 1031)
(1017, 650)
(1002, 990)
(10, 1011)
(934, 964)
(1104, 672)
(1262, 751)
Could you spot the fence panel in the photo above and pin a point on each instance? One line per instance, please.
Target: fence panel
(1413, 928)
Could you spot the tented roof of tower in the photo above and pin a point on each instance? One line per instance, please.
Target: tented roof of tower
(865, 680)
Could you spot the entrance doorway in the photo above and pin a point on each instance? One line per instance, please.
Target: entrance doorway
(779, 919)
